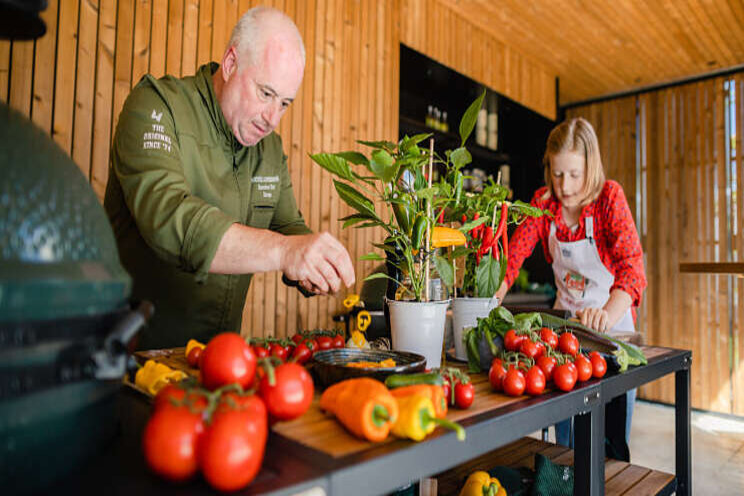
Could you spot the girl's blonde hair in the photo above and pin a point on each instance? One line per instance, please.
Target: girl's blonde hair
(577, 135)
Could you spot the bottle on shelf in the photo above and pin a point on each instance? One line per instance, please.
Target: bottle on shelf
(445, 125)
(493, 123)
(481, 135)
(430, 116)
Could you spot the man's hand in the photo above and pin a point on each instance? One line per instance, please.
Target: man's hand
(318, 261)
(596, 318)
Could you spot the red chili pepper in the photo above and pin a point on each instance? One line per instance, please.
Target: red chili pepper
(488, 240)
(464, 219)
(477, 258)
(502, 221)
(505, 243)
(440, 220)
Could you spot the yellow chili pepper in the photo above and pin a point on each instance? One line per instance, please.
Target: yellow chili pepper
(416, 419)
(193, 343)
(481, 483)
(446, 236)
(154, 376)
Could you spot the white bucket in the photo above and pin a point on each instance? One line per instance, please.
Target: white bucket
(465, 313)
(418, 327)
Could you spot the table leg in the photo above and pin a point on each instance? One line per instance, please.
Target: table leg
(589, 451)
(682, 419)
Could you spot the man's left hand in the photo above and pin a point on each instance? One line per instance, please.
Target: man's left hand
(596, 318)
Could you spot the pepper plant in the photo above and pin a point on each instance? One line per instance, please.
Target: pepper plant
(393, 175)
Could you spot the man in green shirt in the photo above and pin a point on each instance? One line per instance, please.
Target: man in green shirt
(199, 194)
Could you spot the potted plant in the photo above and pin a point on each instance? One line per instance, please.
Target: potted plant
(399, 176)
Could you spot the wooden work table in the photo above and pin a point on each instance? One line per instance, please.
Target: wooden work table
(315, 454)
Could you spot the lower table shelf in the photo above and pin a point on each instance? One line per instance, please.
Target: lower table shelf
(621, 478)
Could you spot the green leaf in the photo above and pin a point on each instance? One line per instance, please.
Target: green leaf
(460, 251)
(487, 277)
(526, 209)
(375, 257)
(467, 123)
(445, 270)
(527, 321)
(461, 157)
(379, 275)
(381, 165)
(426, 193)
(468, 226)
(333, 164)
(470, 337)
(355, 199)
(355, 158)
(383, 145)
(352, 219)
(415, 140)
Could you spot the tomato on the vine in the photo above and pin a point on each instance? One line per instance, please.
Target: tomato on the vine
(529, 348)
(496, 374)
(599, 365)
(278, 351)
(512, 340)
(260, 351)
(174, 396)
(514, 382)
(170, 442)
(535, 381)
(232, 449)
(194, 356)
(302, 354)
(227, 359)
(583, 367)
(549, 337)
(447, 387)
(325, 342)
(464, 394)
(339, 341)
(291, 394)
(564, 377)
(547, 365)
(298, 338)
(568, 343)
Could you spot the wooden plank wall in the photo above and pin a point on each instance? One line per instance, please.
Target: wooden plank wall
(74, 81)
(687, 183)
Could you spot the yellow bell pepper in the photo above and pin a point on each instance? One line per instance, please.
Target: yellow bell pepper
(416, 419)
(193, 343)
(446, 236)
(154, 376)
(481, 483)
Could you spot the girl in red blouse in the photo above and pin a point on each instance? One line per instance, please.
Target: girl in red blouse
(592, 245)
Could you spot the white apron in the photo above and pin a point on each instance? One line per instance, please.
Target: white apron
(582, 279)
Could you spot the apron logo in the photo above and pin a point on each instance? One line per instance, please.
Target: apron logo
(575, 284)
(566, 253)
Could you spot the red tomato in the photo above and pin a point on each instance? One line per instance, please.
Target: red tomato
(535, 381)
(291, 394)
(514, 382)
(325, 342)
(447, 387)
(574, 371)
(232, 449)
(170, 442)
(278, 351)
(496, 374)
(464, 394)
(302, 354)
(599, 365)
(339, 341)
(512, 340)
(547, 365)
(583, 367)
(173, 396)
(549, 337)
(568, 343)
(564, 378)
(227, 359)
(529, 348)
(298, 338)
(260, 351)
(193, 357)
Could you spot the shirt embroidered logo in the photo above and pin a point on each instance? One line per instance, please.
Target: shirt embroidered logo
(155, 116)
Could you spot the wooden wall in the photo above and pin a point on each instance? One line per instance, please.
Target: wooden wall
(74, 80)
(684, 179)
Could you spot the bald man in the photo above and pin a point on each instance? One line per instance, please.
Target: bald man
(199, 193)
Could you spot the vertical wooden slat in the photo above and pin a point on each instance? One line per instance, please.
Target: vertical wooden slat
(44, 67)
(104, 96)
(5, 69)
(159, 37)
(64, 95)
(123, 56)
(141, 55)
(190, 36)
(21, 71)
(219, 37)
(738, 212)
(85, 85)
(204, 50)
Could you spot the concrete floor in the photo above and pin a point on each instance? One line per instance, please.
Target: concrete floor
(717, 447)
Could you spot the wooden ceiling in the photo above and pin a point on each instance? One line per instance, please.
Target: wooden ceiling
(603, 47)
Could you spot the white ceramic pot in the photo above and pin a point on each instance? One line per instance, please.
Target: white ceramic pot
(418, 327)
(465, 313)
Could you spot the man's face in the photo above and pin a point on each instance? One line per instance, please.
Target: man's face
(256, 95)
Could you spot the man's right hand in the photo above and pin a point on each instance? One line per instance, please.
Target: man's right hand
(318, 261)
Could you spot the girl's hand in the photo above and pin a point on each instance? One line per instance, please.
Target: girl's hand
(596, 318)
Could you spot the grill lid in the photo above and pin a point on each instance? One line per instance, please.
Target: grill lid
(58, 255)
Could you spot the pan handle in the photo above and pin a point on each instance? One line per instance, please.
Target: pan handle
(111, 360)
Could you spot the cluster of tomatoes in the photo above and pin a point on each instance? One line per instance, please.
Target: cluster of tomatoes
(300, 348)
(220, 427)
(533, 358)
(458, 389)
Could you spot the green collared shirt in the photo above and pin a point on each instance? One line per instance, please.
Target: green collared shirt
(178, 179)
